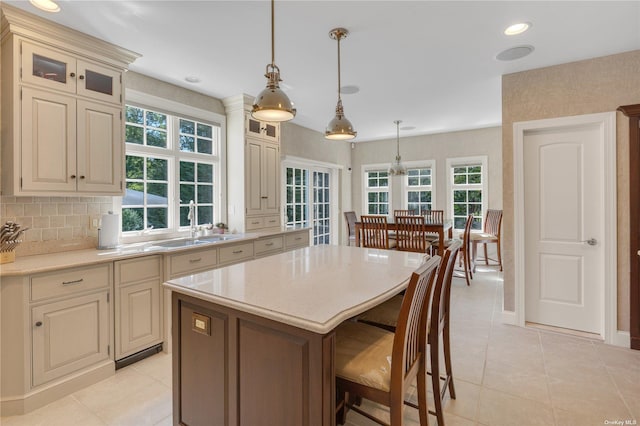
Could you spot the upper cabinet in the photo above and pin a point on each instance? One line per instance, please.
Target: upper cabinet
(253, 164)
(62, 109)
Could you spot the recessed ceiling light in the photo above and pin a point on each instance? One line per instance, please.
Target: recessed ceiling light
(46, 5)
(349, 90)
(518, 28)
(514, 53)
(192, 79)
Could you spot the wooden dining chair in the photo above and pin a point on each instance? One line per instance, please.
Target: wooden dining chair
(350, 219)
(380, 366)
(410, 234)
(403, 213)
(430, 217)
(464, 254)
(385, 317)
(489, 235)
(375, 232)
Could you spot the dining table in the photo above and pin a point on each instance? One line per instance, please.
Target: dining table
(445, 226)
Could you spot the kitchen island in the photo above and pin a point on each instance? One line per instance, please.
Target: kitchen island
(253, 343)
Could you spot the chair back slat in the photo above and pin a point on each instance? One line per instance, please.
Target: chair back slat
(434, 216)
(403, 213)
(351, 219)
(409, 342)
(410, 234)
(375, 232)
(493, 222)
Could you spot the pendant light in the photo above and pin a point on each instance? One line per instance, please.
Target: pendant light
(397, 168)
(272, 104)
(339, 128)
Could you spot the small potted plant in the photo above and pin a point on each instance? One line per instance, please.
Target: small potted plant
(221, 227)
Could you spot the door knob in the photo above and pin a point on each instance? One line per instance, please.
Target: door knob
(591, 241)
(39, 324)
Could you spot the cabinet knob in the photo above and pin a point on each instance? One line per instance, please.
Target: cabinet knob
(81, 176)
(81, 77)
(39, 324)
(73, 176)
(73, 74)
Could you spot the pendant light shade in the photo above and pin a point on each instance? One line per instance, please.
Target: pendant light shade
(340, 128)
(272, 104)
(397, 169)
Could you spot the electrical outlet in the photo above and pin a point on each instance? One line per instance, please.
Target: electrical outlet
(94, 222)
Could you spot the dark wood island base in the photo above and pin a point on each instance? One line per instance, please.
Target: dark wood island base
(235, 368)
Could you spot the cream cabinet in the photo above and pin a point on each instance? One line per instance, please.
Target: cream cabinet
(262, 174)
(138, 305)
(253, 162)
(62, 104)
(264, 130)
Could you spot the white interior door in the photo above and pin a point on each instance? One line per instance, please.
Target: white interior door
(564, 228)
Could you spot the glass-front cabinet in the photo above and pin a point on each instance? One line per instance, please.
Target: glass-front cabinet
(44, 66)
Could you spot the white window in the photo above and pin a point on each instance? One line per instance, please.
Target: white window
(309, 187)
(376, 192)
(419, 187)
(171, 160)
(468, 190)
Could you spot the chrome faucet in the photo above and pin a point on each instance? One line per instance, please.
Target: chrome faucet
(192, 217)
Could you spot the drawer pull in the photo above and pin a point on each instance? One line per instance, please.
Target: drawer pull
(298, 238)
(269, 244)
(264, 198)
(195, 260)
(255, 223)
(39, 324)
(72, 282)
(237, 252)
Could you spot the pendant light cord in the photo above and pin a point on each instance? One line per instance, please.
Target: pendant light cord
(273, 36)
(339, 36)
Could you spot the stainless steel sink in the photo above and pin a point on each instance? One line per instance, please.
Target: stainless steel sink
(187, 242)
(217, 237)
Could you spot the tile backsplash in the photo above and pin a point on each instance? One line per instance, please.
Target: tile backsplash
(55, 223)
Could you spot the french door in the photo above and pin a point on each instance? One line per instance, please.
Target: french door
(308, 200)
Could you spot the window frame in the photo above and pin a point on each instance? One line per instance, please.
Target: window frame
(380, 167)
(451, 163)
(218, 160)
(424, 164)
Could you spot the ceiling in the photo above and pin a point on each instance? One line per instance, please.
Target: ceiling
(430, 64)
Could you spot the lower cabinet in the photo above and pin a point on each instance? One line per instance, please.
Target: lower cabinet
(69, 335)
(138, 313)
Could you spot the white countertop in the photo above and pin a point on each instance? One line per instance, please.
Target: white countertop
(53, 261)
(314, 288)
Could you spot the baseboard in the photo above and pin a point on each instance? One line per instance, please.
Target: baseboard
(46, 394)
(509, 317)
(621, 338)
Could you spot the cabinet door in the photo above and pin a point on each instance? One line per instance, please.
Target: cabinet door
(253, 170)
(139, 317)
(69, 335)
(48, 158)
(99, 82)
(99, 148)
(270, 181)
(48, 68)
(262, 129)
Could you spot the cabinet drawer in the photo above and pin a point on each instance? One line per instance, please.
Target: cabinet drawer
(236, 253)
(140, 269)
(254, 223)
(193, 261)
(272, 221)
(298, 239)
(268, 244)
(70, 281)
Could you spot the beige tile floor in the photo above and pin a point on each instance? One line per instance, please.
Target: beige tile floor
(504, 375)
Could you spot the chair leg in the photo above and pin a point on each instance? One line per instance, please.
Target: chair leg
(341, 412)
(467, 269)
(423, 410)
(486, 256)
(435, 379)
(395, 412)
(499, 255)
(447, 360)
